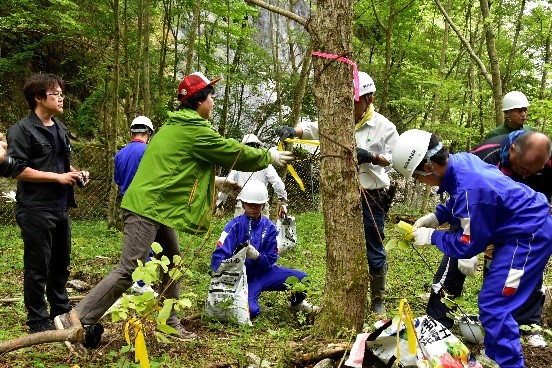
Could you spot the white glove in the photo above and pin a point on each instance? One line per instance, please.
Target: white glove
(280, 158)
(422, 236)
(468, 266)
(429, 220)
(227, 186)
(252, 253)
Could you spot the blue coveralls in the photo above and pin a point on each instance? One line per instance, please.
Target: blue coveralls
(262, 274)
(126, 163)
(490, 208)
(449, 279)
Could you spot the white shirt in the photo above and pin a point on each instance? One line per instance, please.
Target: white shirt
(377, 135)
(268, 175)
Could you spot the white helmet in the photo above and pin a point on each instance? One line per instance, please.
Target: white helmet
(409, 151)
(514, 100)
(254, 191)
(138, 122)
(366, 84)
(251, 138)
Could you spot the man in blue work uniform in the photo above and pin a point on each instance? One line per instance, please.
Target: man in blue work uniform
(524, 157)
(126, 164)
(258, 234)
(487, 207)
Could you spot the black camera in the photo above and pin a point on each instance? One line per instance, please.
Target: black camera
(7, 166)
(80, 181)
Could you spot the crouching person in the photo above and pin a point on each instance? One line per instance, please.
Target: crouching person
(259, 234)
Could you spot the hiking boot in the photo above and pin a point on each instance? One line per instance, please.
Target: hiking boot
(93, 335)
(41, 327)
(536, 341)
(183, 334)
(306, 307)
(63, 322)
(377, 307)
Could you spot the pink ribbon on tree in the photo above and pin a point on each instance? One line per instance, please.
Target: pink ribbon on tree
(343, 60)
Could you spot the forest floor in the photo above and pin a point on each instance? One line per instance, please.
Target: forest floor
(278, 336)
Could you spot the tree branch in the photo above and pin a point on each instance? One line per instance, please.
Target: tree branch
(275, 9)
(465, 43)
(74, 334)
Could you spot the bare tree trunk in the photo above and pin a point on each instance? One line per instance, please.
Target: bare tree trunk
(300, 88)
(112, 131)
(436, 97)
(275, 43)
(167, 25)
(146, 90)
(137, 61)
(192, 35)
(507, 73)
(346, 263)
(493, 59)
(543, 94)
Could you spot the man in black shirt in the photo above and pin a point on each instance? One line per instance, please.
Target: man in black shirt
(39, 145)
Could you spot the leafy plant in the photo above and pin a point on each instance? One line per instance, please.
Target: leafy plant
(148, 307)
(402, 238)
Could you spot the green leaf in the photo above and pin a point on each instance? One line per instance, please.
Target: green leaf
(166, 329)
(161, 337)
(156, 247)
(391, 244)
(165, 312)
(403, 244)
(175, 274)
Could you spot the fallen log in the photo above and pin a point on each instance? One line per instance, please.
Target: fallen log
(332, 351)
(74, 334)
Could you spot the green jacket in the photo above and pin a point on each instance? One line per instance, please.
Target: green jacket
(174, 184)
(505, 129)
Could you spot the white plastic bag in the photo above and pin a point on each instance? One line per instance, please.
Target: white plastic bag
(436, 346)
(287, 234)
(227, 300)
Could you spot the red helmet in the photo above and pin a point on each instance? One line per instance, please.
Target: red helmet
(192, 84)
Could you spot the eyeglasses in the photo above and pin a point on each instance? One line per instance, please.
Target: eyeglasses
(58, 95)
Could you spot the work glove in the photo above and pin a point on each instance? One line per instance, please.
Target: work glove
(227, 186)
(422, 236)
(280, 158)
(468, 266)
(429, 220)
(252, 253)
(285, 132)
(363, 156)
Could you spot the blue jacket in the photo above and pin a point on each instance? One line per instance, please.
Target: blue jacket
(490, 208)
(262, 237)
(126, 163)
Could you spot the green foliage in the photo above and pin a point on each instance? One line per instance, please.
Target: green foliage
(88, 122)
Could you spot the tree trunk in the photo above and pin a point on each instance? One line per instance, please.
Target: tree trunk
(513, 51)
(300, 88)
(192, 35)
(493, 59)
(112, 130)
(146, 87)
(346, 263)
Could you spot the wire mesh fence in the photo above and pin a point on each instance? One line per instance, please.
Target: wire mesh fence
(93, 199)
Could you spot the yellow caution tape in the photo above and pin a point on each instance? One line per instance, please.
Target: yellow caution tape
(405, 316)
(140, 350)
(289, 167)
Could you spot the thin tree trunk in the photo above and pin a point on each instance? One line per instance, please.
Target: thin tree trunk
(112, 131)
(493, 59)
(508, 72)
(137, 60)
(145, 60)
(192, 35)
(300, 88)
